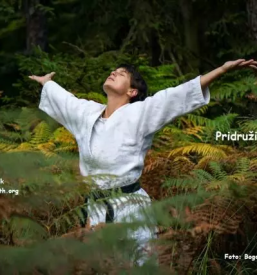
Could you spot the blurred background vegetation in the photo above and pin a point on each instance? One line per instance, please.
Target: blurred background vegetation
(204, 189)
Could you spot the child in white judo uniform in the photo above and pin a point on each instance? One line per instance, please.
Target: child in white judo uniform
(114, 138)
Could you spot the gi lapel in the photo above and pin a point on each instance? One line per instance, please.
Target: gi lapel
(91, 124)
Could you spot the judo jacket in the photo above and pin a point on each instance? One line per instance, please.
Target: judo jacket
(128, 132)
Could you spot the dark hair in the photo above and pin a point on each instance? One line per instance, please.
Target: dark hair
(136, 82)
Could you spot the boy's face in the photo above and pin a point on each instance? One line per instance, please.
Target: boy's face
(118, 83)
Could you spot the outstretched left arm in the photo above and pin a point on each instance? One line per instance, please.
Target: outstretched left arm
(164, 106)
(208, 78)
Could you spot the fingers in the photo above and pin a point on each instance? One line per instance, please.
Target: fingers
(238, 61)
(245, 63)
(253, 66)
(37, 78)
(34, 77)
(250, 63)
(50, 75)
(254, 63)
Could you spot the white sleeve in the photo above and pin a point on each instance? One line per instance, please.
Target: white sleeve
(62, 106)
(164, 106)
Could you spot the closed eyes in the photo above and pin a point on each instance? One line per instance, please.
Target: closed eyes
(123, 73)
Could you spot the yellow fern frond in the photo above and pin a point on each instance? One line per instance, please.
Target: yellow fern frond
(253, 164)
(194, 131)
(70, 148)
(49, 146)
(23, 147)
(61, 135)
(7, 146)
(181, 162)
(237, 177)
(15, 126)
(48, 154)
(186, 122)
(202, 149)
(182, 159)
(170, 130)
(47, 149)
(203, 162)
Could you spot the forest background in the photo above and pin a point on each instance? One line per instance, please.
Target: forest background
(203, 188)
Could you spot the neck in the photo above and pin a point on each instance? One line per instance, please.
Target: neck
(112, 105)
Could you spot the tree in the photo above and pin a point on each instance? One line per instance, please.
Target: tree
(36, 23)
(252, 17)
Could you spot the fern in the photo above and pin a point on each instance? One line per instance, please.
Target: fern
(231, 91)
(197, 120)
(248, 125)
(62, 136)
(7, 145)
(202, 149)
(41, 134)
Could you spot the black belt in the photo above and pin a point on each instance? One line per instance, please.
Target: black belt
(99, 195)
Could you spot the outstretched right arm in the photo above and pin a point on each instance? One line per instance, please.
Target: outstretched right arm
(60, 104)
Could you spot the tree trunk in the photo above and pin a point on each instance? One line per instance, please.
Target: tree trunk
(155, 49)
(251, 6)
(36, 25)
(252, 17)
(190, 23)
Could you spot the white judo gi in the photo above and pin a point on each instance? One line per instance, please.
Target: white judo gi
(118, 145)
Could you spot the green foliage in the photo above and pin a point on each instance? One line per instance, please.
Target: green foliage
(40, 159)
(234, 86)
(84, 76)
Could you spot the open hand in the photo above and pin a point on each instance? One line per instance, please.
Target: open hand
(42, 79)
(240, 63)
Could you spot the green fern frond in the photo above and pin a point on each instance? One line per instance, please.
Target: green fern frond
(197, 120)
(243, 165)
(205, 108)
(70, 148)
(25, 230)
(186, 184)
(202, 110)
(248, 126)
(222, 123)
(234, 90)
(169, 137)
(27, 118)
(14, 136)
(41, 134)
(217, 171)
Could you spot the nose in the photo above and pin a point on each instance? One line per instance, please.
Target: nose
(113, 73)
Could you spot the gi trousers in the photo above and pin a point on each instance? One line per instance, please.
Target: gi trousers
(127, 208)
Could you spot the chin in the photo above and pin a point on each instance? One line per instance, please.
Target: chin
(105, 87)
(108, 87)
